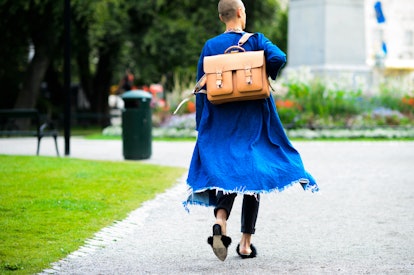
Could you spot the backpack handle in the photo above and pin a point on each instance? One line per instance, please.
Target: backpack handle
(232, 49)
(242, 40)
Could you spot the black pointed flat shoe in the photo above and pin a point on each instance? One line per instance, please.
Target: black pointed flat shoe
(246, 256)
(219, 242)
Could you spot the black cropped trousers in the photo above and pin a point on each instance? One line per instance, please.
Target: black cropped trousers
(250, 209)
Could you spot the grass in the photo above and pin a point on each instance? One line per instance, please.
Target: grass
(84, 131)
(50, 206)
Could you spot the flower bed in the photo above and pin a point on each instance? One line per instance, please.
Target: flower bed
(312, 110)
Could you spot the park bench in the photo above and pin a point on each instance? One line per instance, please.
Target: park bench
(26, 122)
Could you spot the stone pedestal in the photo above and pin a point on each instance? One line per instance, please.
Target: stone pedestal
(328, 36)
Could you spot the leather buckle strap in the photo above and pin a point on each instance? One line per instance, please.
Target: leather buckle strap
(248, 74)
(219, 78)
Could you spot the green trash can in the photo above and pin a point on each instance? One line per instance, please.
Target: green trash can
(137, 125)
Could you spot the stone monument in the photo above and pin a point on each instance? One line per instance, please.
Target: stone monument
(328, 37)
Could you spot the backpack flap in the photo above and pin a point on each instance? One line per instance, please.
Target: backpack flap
(242, 71)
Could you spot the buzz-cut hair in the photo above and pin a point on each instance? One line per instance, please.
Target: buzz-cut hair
(227, 9)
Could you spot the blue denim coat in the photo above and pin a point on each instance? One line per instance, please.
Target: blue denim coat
(242, 146)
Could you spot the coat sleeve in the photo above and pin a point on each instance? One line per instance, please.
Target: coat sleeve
(200, 98)
(275, 57)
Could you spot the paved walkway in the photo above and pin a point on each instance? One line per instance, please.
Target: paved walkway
(361, 222)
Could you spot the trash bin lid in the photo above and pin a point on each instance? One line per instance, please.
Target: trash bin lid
(134, 94)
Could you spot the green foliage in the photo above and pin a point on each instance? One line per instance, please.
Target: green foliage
(171, 39)
(392, 95)
(167, 39)
(156, 39)
(275, 27)
(50, 206)
(316, 106)
(22, 24)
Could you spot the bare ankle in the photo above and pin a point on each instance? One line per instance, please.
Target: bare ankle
(245, 242)
(221, 219)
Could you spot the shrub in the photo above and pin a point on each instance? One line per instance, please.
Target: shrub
(322, 107)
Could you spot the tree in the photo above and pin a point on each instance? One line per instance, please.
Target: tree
(167, 39)
(153, 38)
(98, 29)
(98, 33)
(22, 35)
(172, 38)
(276, 27)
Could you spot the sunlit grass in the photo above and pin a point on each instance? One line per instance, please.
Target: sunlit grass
(50, 206)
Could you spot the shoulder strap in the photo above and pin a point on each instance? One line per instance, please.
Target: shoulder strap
(202, 81)
(244, 38)
(197, 90)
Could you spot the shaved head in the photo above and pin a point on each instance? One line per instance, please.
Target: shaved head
(227, 9)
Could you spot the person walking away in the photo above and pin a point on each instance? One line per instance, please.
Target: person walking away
(241, 147)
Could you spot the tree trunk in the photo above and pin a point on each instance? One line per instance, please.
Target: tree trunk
(42, 28)
(82, 58)
(102, 83)
(108, 56)
(35, 73)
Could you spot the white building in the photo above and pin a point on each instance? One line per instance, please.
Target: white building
(343, 37)
(397, 32)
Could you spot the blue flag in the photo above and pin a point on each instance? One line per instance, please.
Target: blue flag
(379, 13)
(384, 48)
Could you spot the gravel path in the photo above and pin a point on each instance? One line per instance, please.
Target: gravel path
(361, 222)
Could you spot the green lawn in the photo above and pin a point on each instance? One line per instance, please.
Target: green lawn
(50, 206)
